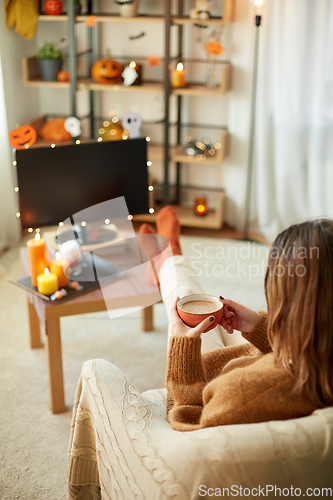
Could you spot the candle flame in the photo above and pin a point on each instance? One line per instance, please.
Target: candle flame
(132, 64)
(46, 271)
(201, 208)
(37, 236)
(180, 66)
(58, 256)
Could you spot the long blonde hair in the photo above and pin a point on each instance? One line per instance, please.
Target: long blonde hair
(299, 294)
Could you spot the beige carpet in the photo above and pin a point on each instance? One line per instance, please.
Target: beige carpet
(33, 452)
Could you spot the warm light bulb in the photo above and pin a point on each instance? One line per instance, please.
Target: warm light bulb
(46, 271)
(52, 146)
(151, 188)
(106, 123)
(115, 119)
(37, 236)
(151, 210)
(14, 163)
(132, 64)
(101, 131)
(107, 221)
(37, 230)
(78, 141)
(149, 163)
(130, 217)
(60, 224)
(100, 139)
(180, 66)
(83, 223)
(148, 139)
(30, 230)
(58, 256)
(200, 208)
(18, 214)
(16, 189)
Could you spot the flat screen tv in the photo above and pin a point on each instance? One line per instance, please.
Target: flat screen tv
(55, 183)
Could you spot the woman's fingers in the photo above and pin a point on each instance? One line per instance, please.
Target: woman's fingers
(198, 330)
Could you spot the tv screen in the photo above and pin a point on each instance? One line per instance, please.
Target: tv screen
(55, 183)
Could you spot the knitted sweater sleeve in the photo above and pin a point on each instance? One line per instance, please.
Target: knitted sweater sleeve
(189, 372)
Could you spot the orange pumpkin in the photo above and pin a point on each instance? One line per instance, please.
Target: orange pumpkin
(23, 137)
(112, 132)
(153, 61)
(63, 76)
(107, 71)
(91, 21)
(54, 131)
(214, 48)
(53, 7)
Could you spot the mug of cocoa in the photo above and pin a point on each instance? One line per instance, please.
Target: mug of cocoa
(193, 309)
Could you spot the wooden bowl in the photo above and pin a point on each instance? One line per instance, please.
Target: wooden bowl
(192, 319)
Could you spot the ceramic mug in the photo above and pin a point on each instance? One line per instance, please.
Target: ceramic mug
(193, 318)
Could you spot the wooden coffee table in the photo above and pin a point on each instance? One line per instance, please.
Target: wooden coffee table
(42, 313)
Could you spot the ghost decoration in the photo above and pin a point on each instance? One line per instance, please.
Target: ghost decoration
(73, 126)
(129, 75)
(132, 122)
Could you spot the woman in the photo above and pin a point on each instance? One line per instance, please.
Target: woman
(284, 370)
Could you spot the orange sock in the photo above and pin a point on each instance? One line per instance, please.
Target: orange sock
(151, 249)
(167, 224)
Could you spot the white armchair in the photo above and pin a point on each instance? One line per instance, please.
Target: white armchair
(122, 447)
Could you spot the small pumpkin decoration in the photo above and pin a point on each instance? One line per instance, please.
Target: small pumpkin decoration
(91, 21)
(54, 131)
(107, 71)
(214, 48)
(113, 132)
(53, 7)
(63, 76)
(153, 61)
(23, 137)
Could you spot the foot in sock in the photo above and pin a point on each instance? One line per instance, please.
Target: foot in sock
(167, 224)
(149, 244)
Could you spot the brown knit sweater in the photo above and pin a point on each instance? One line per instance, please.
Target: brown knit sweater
(232, 385)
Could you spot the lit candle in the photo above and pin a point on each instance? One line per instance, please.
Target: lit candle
(178, 76)
(38, 257)
(47, 283)
(200, 207)
(59, 266)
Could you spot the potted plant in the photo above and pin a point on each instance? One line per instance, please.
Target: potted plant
(128, 8)
(49, 58)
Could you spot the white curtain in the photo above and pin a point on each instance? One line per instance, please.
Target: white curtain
(9, 224)
(294, 118)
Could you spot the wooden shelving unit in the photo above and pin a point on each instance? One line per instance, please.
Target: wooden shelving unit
(163, 152)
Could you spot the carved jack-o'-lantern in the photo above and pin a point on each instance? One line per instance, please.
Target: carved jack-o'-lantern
(107, 71)
(23, 137)
(53, 7)
(63, 76)
(214, 48)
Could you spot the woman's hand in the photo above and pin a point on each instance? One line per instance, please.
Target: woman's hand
(179, 329)
(238, 317)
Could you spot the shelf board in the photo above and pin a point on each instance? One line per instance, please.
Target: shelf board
(89, 84)
(217, 21)
(212, 220)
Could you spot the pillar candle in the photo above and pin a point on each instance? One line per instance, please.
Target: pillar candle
(47, 283)
(59, 266)
(38, 257)
(178, 76)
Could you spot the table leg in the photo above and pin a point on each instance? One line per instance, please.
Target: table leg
(147, 319)
(35, 340)
(54, 360)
